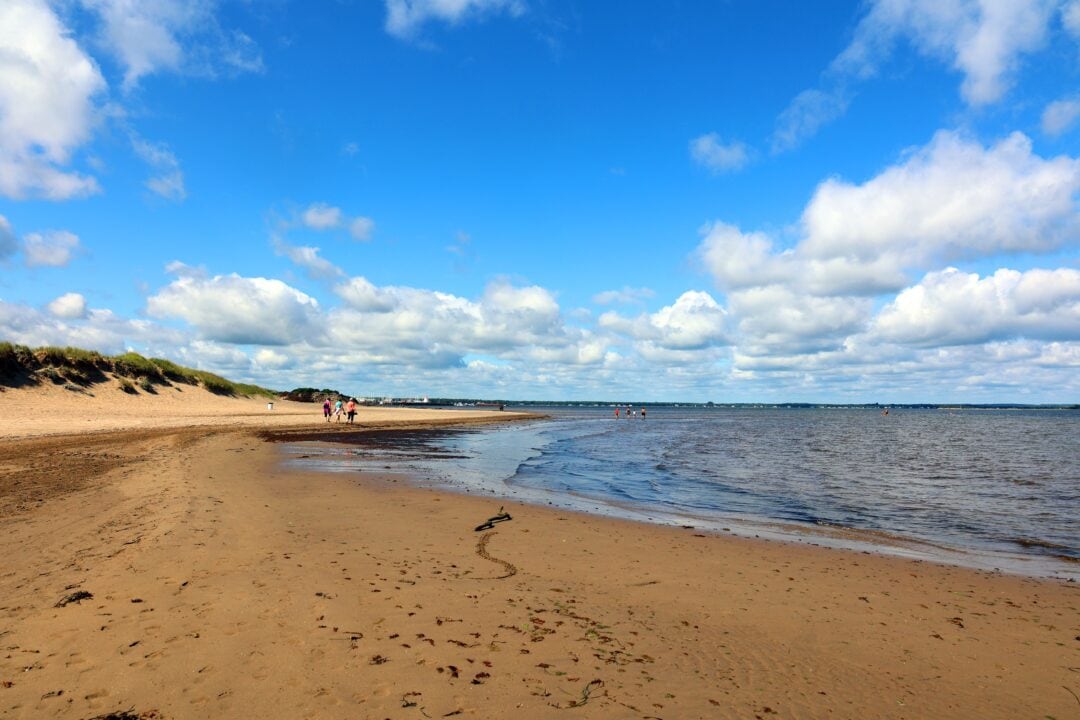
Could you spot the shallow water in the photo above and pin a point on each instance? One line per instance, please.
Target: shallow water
(987, 488)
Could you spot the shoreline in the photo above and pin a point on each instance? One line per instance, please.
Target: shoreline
(223, 584)
(894, 544)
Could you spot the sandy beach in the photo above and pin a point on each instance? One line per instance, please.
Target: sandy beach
(159, 561)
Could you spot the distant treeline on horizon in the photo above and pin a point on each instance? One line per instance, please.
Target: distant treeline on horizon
(752, 405)
(307, 394)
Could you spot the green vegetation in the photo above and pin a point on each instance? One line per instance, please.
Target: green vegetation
(174, 372)
(21, 365)
(133, 365)
(308, 394)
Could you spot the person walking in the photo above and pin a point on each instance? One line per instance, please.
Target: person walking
(326, 409)
(350, 409)
(339, 408)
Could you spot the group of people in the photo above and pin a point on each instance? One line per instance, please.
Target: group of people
(338, 409)
(629, 412)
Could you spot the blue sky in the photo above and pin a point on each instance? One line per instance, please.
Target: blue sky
(736, 201)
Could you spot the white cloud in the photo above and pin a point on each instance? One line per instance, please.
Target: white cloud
(778, 319)
(69, 305)
(626, 296)
(170, 183)
(53, 248)
(273, 359)
(808, 112)
(954, 308)
(99, 330)
(210, 355)
(708, 151)
(985, 40)
(47, 90)
(320, 216)
(1060, 115)
(952, 199)
(234, 309)
(738, 260)
(1070, 17)
(9, 244)
(182, 269)
(361, 228)
(362, 295)
(308, 258)
(405, 17)
(436, 329)
(149, 36)
(695, 321)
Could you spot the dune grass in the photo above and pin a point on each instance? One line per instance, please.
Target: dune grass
(87, 366)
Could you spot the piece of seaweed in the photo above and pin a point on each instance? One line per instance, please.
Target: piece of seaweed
(75, 597)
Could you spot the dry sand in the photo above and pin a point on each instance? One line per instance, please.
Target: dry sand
(225, 586)
(53, 410)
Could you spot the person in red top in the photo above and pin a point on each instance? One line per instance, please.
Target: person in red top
(350, 408)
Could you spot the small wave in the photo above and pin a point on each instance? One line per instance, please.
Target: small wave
(1044, 544)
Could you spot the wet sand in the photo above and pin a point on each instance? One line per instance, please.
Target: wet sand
(221, 585)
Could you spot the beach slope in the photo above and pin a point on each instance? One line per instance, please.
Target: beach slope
(190, 576)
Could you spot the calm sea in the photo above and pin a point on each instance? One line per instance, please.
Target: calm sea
(984, 488)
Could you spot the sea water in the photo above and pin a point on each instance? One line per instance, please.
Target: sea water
(984, 488)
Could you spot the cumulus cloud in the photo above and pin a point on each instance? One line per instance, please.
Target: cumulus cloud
(100, 330)
(435, 329)
(695, 321)
(405, 17)
(952, 199)
(710, 152)
(69, 305)
(1060, 115)
(48, 86)
(53, 248)
(240, 310)
(985, 40)
(776, 319)
(951, 307)
(223, 358)
(273, 359)
(810, 292)
(169, 184)
(737, 259)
